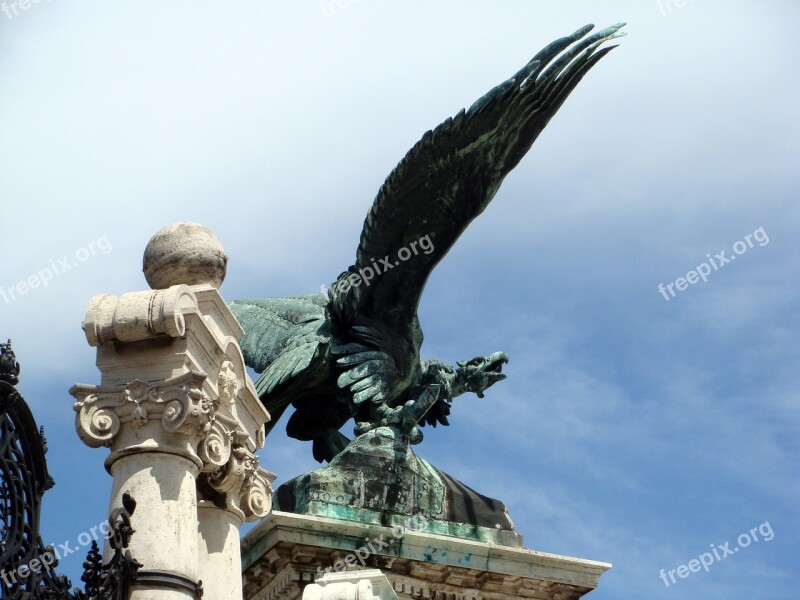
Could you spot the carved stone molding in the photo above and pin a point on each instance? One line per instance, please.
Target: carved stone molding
(178, 403)
(227, 384)
(292, 547)
(139, 315)
(181, 416)
(242, 485)
(215, 448)
(256, 499)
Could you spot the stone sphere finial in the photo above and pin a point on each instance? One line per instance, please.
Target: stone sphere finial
(184, 253)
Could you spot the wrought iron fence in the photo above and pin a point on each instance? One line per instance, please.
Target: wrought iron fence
(27, 566)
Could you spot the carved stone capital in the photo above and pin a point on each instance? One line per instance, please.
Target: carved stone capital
(191, 413)
(242, 484)
(180, 415)
(215, 448)
(256, 494)
(178, 404)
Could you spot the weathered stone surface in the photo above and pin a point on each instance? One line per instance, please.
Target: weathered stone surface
(287, 552)
(185, 253)
(181, 418)
(356, 585)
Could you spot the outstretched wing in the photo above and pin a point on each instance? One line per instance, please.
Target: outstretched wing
(282, 338)
(450, 176)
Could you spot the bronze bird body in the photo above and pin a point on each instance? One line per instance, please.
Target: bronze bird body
(355, 352)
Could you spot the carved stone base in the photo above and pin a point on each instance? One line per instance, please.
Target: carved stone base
(287, 552)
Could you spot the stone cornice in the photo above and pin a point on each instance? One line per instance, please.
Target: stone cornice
(442, 565)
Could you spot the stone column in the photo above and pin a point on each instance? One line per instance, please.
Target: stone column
(180, 416)
(238, 492)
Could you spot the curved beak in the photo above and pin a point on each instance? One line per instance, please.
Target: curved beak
(496, 361)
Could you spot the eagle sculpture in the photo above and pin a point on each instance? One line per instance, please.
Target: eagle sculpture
(354, 350)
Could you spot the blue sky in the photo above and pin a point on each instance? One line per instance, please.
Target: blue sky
(631, 429)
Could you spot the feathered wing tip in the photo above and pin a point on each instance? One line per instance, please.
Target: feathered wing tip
(531, 72)
(540, 62)
(452, 173)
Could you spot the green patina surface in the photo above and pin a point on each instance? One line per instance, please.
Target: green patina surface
(379, 480)
(462, 531)
(353, 352)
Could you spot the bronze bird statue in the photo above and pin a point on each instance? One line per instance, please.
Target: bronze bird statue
(354, 350)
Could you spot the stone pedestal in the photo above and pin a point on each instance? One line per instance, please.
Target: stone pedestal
(378, 479)
(288, 552)
(181, 418)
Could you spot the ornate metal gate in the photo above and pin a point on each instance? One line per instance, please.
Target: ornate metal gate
(26, 564)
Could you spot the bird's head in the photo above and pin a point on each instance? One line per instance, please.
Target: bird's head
(482, 372)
